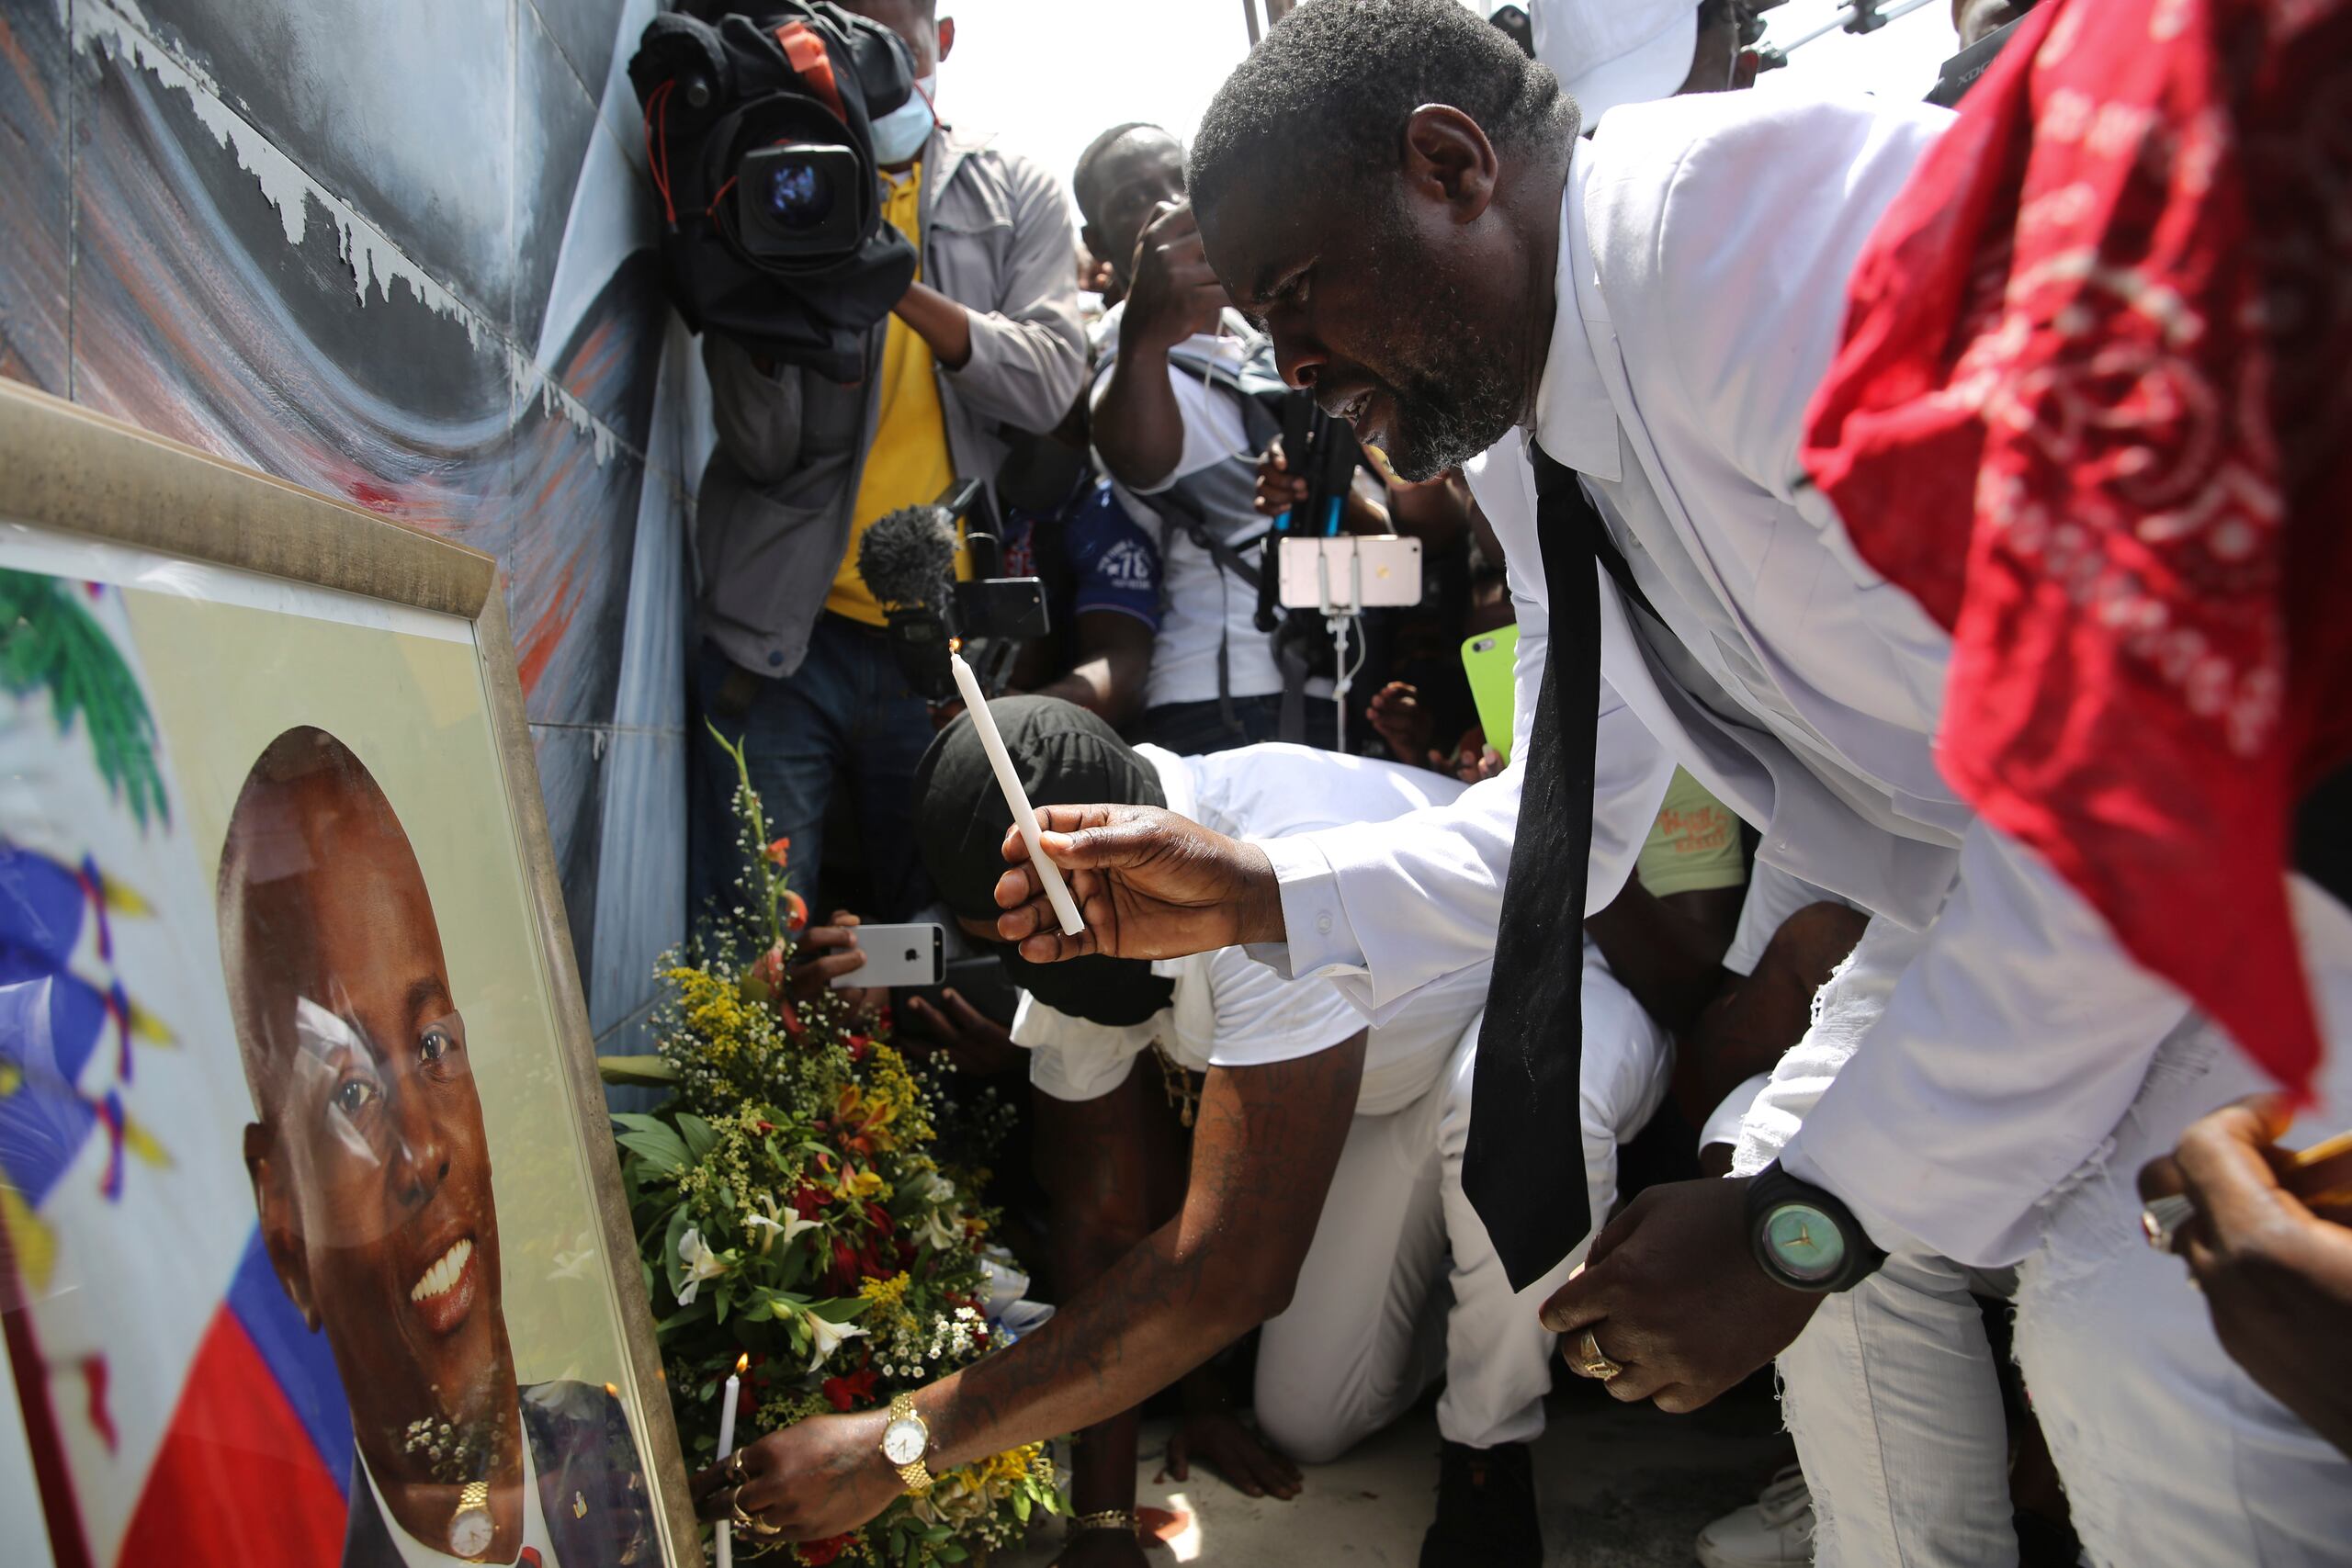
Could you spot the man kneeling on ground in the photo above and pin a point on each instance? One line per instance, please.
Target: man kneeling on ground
(1324, 1195)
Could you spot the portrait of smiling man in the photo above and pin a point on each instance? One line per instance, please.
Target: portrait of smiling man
(371, 1170)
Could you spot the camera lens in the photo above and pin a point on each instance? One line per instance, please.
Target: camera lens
(799, 196)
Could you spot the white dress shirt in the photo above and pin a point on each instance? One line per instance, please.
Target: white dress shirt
(1229, 1012)
(1704, 246)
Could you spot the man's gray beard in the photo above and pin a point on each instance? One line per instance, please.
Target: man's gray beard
(1439, 431)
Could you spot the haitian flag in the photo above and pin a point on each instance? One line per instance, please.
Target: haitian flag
(175, 1407)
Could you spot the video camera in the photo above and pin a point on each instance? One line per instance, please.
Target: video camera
(759, 135)
(908, 559)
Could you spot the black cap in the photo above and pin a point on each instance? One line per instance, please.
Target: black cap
(1064, 756)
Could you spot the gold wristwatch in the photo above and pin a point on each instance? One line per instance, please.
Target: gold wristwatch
(904, 1442)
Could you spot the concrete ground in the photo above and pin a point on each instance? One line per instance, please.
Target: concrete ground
(1622, 1488)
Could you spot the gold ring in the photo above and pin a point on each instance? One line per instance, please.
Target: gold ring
(735, 1512)
(1593, 1363)
(735, 1468)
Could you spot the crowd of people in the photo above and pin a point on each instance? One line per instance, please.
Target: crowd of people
(1909, 853)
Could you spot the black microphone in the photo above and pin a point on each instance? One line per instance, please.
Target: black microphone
(908, 559)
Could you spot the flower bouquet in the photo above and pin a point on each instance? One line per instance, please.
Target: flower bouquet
(791, 1208)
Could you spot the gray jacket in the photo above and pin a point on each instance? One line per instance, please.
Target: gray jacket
(773, 520)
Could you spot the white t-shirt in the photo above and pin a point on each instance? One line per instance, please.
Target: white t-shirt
(1229, 1010)
(1202, 603)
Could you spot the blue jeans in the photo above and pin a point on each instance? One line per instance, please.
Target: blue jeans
(1195, 729)
(845, 716)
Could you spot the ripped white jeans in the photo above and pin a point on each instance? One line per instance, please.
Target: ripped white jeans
(2170, 1452)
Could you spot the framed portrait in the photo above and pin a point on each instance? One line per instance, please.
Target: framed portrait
(313, 1243)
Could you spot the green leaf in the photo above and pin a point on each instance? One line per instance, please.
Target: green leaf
(948, 1551)
(636, 1072)
(652, 1140)
(719, 1301)
(1020, 1507)
(794, 1264)
(840, 1309)
(685, 1316)
(700, 1136)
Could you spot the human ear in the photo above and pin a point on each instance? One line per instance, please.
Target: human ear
(947, 36)
(281, 1232)
(1449, 159)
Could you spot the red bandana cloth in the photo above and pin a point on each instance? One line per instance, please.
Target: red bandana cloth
(2093, 409)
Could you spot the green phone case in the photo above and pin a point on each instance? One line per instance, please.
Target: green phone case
(1490, 660)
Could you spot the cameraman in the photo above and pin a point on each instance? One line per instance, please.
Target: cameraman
(793, 660)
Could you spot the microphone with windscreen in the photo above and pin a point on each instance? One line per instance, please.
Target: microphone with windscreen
(908, 559)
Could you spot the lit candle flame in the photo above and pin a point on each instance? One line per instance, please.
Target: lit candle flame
(954, 645)
(742, 1363)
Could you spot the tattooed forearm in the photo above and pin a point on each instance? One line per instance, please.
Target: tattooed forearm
(1267, 1141)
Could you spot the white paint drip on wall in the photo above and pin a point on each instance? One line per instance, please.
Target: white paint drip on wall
(119, 30)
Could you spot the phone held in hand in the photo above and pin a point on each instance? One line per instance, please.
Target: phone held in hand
(897, 955)
(1351, 571)
(1490, 660)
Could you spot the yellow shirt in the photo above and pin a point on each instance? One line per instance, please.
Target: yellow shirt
(907, 463)
(1694, 844)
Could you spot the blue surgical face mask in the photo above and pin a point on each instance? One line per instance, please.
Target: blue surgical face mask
(900, 135)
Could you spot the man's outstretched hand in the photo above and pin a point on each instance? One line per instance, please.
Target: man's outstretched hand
(1150, 883)
(1672, 1294)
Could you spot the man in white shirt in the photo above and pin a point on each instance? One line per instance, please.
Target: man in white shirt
(1324, 1198)
(1657, 305)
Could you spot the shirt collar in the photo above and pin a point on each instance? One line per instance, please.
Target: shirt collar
(1576, 423)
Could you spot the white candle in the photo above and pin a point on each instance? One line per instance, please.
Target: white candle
(726, 1447)
(1065, 910)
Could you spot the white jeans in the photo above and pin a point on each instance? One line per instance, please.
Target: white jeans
(1891, 1391)
(1356, 1346)
(2170, 1452)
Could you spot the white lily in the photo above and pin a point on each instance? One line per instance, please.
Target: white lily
(943, 1228)
(829, 1337)
(701, 1263)
(778, 1224)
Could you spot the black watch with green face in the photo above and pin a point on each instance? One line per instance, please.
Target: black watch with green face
(1803, 1237)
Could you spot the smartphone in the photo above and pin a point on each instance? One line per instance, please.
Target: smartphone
(979, 981)
(1388, 566)
(897, 955)
(1491, 661)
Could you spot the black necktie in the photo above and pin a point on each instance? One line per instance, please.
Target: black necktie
(1523, 1169)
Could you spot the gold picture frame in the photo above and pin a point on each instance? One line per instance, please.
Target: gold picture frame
(73, 478)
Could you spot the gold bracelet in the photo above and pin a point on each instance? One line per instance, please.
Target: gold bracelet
(1106, 1519)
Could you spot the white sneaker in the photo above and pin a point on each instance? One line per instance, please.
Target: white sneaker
(1771, 1532)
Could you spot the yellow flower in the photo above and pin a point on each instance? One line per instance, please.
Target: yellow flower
(859, 1184)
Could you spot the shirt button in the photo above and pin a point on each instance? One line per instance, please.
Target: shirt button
(1323, 924)
(774, 659)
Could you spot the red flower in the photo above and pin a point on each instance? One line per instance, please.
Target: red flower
(809, 1201)
(780, 851)
(817, 1554)
(849, 1392)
